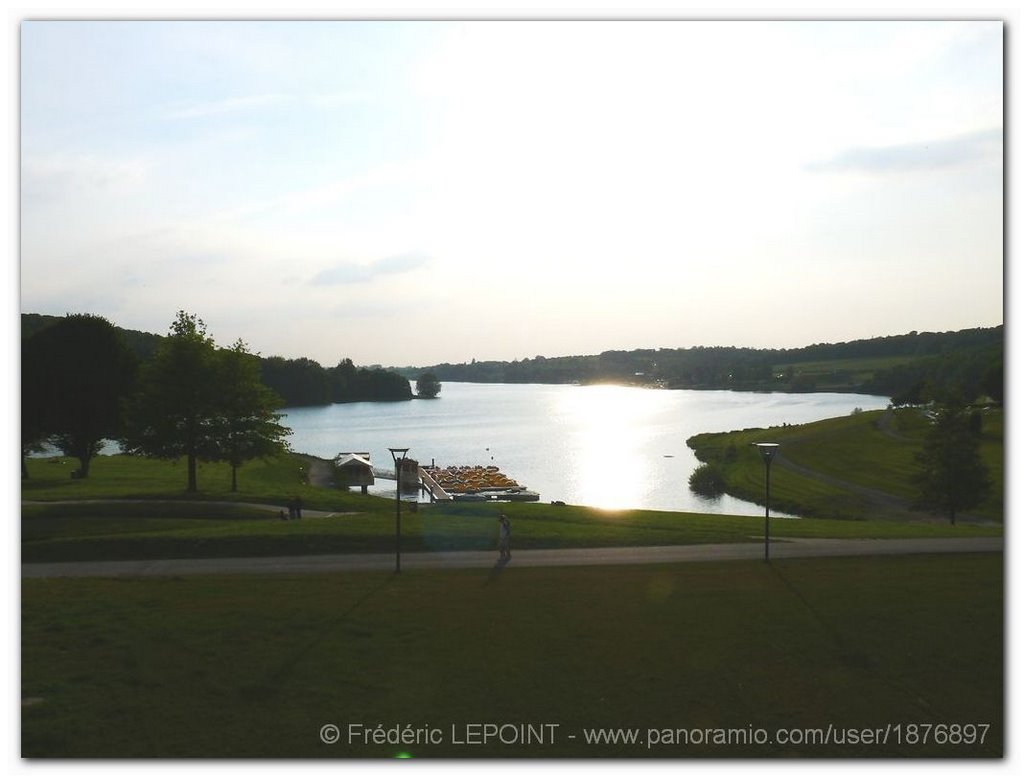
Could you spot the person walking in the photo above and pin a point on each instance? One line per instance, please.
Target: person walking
(504, 539)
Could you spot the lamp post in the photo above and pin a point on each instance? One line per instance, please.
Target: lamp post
(767, 453)
(398, 455)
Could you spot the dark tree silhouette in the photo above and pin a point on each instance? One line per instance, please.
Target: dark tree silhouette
(427, 385)
(75, 374)
(952, 476)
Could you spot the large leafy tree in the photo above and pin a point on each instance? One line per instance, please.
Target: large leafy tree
(173, 413)
(427, 385)
(246, 425)
(33, 433)
(952, 476)
(75, 375)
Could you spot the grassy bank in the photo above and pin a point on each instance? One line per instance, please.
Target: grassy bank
(248, 666)
(869, 451)
(166, 522)
(114, 531)
(274, 481)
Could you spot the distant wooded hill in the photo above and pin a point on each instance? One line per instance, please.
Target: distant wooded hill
(908, 368)
(299, 382)
(143, 344)
(915, 365)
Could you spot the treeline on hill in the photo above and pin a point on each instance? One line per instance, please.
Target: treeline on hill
(143, 345)
(304, 382)
(963, 373)
(915, 365)
(298, 382)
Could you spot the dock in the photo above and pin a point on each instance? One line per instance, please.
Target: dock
(437, 492)
(472, 483)
(442, 484)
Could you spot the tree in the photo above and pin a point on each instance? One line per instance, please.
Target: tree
(343, 381)
(379, 384)
(246, 425)
(427, 385)
(75, 375)
(300, 382)
(952, 476)
(33, 433)
(992, 381)
(707, 480)
(914, 395)
(172, 414)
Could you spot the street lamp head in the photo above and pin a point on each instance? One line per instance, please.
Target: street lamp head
(767, 451)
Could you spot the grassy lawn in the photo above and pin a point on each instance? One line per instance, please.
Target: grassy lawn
(855, 449)
(115, 531)
(247, 666)
(273, 481)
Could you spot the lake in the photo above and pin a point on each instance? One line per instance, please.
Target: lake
(605, 446)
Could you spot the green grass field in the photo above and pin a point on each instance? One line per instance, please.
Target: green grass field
(246, 666)
(155, 530)
(273, 481)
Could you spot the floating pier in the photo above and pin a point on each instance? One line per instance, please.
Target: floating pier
(472, 483)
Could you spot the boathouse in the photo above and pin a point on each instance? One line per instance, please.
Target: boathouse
(354, 469)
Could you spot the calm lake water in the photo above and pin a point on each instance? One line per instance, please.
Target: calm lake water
(605, 446)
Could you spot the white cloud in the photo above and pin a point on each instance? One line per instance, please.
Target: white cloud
(357, 273)
(225, 106)
(926, 155)
(76, 176)
(264, 102)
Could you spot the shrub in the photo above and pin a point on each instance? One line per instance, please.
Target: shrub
(707, 480)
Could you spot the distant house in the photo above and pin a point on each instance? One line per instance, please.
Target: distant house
(354, 469)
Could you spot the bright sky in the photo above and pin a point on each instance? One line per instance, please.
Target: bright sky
(408, 193)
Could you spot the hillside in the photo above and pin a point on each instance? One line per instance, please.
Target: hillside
(298, 382)
(142, 344)
(852, 467)
(968, 361)
(909, 368)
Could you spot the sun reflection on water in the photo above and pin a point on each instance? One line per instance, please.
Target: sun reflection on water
(610, 430)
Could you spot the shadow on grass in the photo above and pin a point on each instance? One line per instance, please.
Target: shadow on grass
(275, 678)
(847, 654)
(496, 571)
(853, 657)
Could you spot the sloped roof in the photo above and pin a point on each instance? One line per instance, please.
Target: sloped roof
(347, 458)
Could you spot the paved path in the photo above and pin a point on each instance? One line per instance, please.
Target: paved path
(780, 548)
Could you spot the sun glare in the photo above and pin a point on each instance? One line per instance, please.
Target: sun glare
(607, 443)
